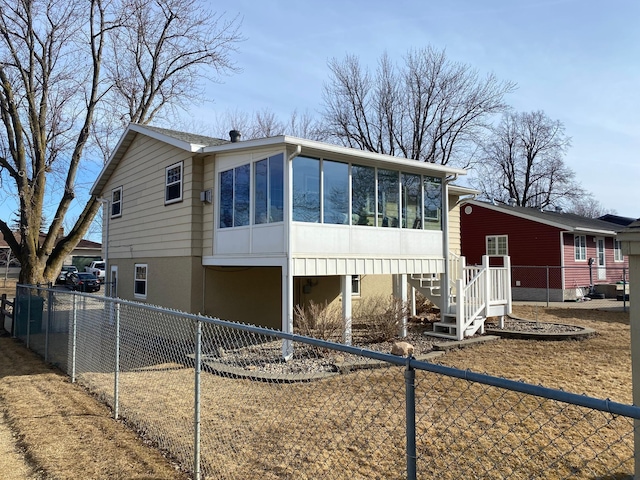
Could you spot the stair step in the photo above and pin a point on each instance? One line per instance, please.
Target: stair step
(441, 335)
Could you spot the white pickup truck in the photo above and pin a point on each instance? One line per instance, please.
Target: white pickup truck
(96, 267)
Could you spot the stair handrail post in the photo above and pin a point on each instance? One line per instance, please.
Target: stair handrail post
(460, 309)
(488, 284)
(507, 283)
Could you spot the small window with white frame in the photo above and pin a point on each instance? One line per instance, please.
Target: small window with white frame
(173, 183)
(617, 251)
(355, 285)
(116, 202)
(140, 280)
(497, 245)
(580, 247)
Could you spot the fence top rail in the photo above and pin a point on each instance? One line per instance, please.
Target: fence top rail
(605, 405)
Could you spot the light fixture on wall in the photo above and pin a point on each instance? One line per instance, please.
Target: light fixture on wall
(206, 196)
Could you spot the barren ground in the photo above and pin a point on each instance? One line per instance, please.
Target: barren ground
(50, 428)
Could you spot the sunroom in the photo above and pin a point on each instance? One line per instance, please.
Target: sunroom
(316, 209)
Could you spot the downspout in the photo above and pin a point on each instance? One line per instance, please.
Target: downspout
(287, 283)
(445, 285)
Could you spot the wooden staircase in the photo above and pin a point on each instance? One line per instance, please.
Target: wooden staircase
(474, 293)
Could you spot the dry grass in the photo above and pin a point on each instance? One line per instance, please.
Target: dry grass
(346, 426)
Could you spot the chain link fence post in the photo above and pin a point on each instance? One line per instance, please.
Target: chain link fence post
(48, 324)
(196, 413)
(410, 402)
(28, 318)
(74, 336)
(116, 368)
(548, 286)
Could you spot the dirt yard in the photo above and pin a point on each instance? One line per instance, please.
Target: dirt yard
(50, 428)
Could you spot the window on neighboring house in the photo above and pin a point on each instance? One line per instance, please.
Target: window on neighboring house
(580, 247)
(235, 196)
(355, 285)
(140, 281)
(173, 183)
(497, 246)
(617, 251)
(116, 202)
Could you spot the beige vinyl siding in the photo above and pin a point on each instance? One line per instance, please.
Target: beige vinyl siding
(455, 245)
(208, 208)
(174, 282)
(148, 227)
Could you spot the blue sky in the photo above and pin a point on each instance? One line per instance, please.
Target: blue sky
(576, 60)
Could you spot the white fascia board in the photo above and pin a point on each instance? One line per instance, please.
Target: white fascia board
(598, 232)
(189, 147)
(343, 153)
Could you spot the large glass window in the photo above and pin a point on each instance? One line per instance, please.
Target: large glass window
(411, 201)
(335, 192)
(234, 197)
(363, 195)
(226, 199)
(268, 190)
(388, 198)
(306, 189)
(432, 203)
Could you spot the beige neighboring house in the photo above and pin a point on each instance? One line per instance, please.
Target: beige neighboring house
(246, 230)
(85, 251)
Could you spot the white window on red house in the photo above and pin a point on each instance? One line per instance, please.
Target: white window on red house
(497, 245)
(580, 247)
(617, 251)
(140, 281)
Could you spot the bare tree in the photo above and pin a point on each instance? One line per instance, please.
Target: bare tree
(523, 161)
(72, 68)
(588, 206)
(265, 123)
(428, 108)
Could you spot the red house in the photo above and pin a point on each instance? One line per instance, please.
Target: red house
(554, 255)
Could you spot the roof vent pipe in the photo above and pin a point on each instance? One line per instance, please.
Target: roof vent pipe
(235, 136)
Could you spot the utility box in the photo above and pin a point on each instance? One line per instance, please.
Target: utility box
(28, 307)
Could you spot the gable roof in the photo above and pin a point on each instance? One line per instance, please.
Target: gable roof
(200, 144)
(183, 140)
(563, 220)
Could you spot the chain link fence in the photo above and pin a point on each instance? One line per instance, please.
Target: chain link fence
(595, 287)
(219, 399)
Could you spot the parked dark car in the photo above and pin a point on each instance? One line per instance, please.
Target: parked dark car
(82, 281)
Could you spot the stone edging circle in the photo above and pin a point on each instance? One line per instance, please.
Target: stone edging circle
(578, 334)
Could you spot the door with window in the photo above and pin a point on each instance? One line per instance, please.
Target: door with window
(602, 267)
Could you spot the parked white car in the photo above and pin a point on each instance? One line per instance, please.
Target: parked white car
(97, 267)
(66, 269)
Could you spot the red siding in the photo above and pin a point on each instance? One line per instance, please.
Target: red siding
(534, 244)
(529, 243)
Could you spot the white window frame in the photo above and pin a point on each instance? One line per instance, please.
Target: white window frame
(495, 250)
(119, 202)
(167, 184)
(580, 248)
(136, 280)
(617, 251)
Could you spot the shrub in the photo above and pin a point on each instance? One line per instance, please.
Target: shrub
(321, 321)
(382, 316)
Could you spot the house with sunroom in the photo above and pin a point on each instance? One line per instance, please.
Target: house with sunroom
(551, 252)
(246, 230)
